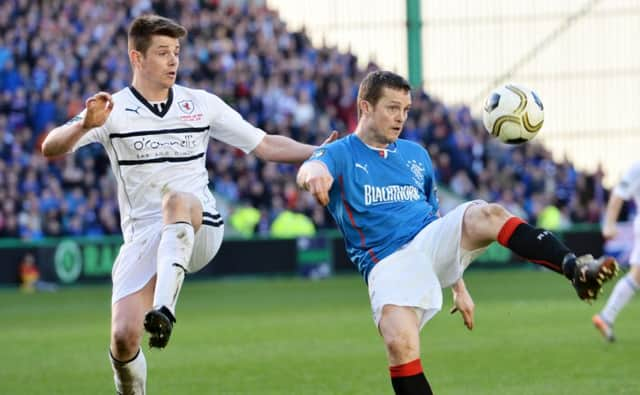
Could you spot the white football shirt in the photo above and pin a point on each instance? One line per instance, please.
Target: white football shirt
(153, 152)
(629, 185)
(629, 188)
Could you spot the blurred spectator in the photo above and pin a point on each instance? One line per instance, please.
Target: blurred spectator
(244, 220)
(553, 217)
(30, 276)
(289, 224)
(52, 54)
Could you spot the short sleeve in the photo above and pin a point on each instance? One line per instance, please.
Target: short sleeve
(95, 135)
(326, 155)
(229, 127)
(630, 184)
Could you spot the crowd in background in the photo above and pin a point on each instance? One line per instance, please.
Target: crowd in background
(55, 54)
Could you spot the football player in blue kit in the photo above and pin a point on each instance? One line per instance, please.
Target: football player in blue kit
(382, 193)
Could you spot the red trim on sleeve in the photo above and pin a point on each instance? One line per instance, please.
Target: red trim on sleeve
(507, 230)
(405, 370)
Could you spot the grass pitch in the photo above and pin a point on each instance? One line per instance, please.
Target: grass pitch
(293, 336)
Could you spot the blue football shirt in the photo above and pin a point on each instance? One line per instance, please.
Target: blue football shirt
(379, 199)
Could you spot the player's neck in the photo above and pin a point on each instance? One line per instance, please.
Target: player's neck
(364, 137)
(151, 92)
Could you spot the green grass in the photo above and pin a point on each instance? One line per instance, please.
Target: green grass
(292, 336)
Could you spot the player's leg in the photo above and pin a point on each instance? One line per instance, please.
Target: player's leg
(400, 329)
(405, 293)
(487, 222)
(182, 217)
(207, 241)
(622, 293)
(127, 360)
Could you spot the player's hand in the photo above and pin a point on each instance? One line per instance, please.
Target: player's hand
(99, 107)
(332, 137)
(609, 231)
(464, 304)
(319, 187)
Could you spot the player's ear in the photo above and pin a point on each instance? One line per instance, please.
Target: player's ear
(364, 106)
(135, 58)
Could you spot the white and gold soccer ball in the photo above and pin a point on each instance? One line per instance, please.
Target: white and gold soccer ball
(513, 113)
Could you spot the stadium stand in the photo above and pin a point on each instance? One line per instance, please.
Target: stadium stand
(55, 54)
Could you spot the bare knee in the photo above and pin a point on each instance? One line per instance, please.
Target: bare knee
(173, 202)
(482, 223)
(486, 215)
(635, 273)
(125, 340)
(494, 212)
(400, 346)
(181, 206)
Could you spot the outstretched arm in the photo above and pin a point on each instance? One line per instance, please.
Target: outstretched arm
(283, 149)
(314, 177)
(463, 303)
(61, 140)
(614, 206)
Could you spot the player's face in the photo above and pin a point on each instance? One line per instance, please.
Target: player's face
(159, 65)
(389, 115)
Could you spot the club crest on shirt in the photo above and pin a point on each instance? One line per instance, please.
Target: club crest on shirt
(186, 106)
(317, 153)
(417, 169)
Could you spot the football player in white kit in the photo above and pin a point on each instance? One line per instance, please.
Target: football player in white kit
(156, 135)
(627, 286)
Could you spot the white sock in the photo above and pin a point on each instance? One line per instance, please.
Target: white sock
(621, 295)
(130, 377)
(174, 253)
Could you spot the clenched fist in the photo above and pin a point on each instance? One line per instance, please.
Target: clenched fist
(99, 107)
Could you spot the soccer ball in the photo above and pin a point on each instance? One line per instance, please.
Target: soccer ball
(513, 113)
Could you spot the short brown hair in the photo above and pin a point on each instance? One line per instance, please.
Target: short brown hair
(371, 86)
(144, 27)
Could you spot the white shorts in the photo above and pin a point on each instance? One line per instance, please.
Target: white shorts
(415, 274)
(136, 261)
(634, 258)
